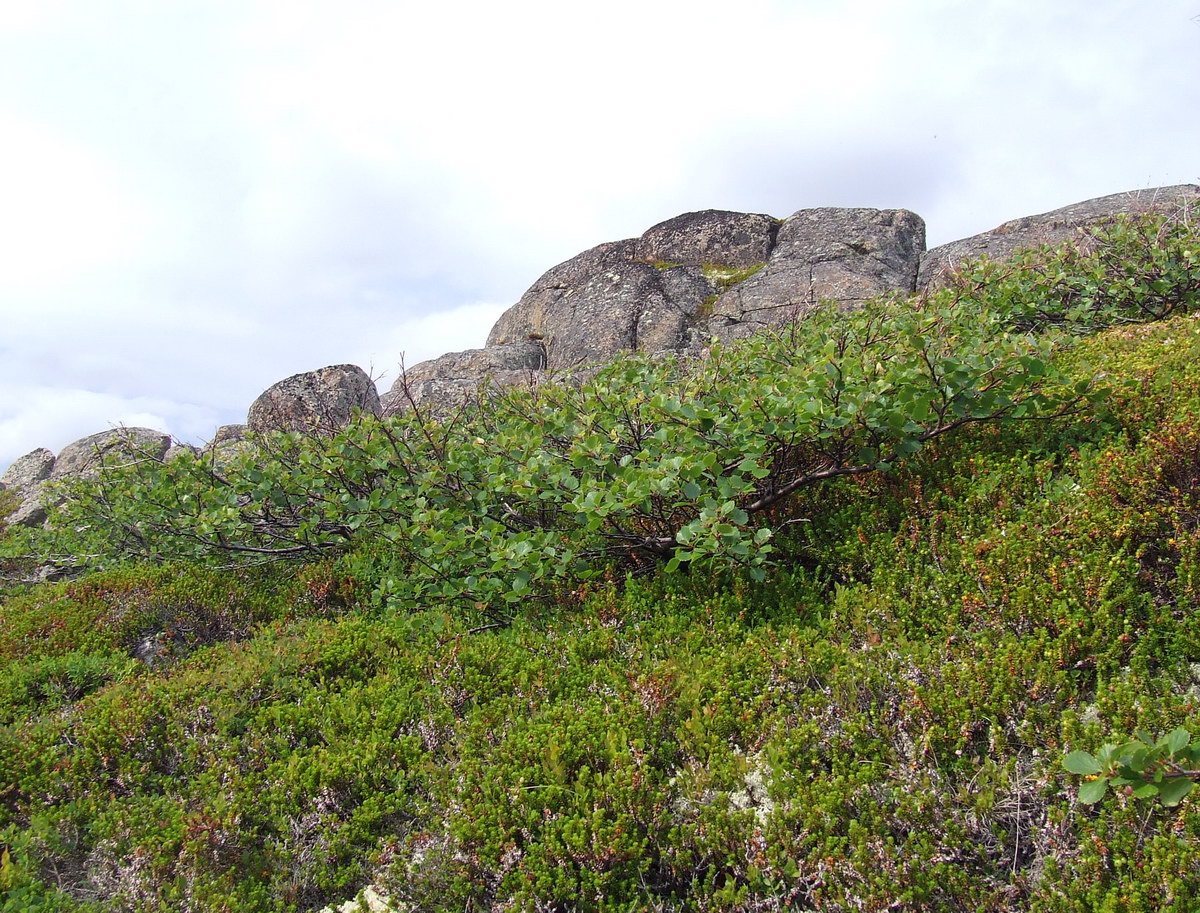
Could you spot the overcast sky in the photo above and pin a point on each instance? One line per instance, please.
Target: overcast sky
(201, 197)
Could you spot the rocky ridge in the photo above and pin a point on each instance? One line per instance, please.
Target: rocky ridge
(683, 283)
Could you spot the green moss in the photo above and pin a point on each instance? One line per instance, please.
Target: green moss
(725, 277)
(705, 308)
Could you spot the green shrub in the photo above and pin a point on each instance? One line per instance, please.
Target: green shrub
(1130, 269)
(652, 462)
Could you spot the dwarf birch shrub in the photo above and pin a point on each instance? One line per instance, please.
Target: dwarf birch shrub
(652, 462)
(1127, 270)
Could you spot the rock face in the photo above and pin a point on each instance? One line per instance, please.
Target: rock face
(227, 434)
(604, 302)
(33, 509)
(843, 255)
(668, 291)
(1054, 227)
(731, 239)
(84, 456)
(28, 475)
(26, 478)
(320, 401)
(444, 384)
(28, 470)
(643, 294)
(226, 444)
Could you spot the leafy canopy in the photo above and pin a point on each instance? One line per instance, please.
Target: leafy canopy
(652, 461)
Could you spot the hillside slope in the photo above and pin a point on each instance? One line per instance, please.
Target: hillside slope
(854, 697)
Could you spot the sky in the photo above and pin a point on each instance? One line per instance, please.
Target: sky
(199, 198)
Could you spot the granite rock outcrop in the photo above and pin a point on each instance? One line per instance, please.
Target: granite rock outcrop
(840, 255)
(318, 401)
(85, 455)
(677, 286)
(441, 385)
(622, 304)
(25, 478)
(700, 276)
(1054, 227)
(31, 473)
(732, 239)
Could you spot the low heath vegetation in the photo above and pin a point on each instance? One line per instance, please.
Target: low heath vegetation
(852, 616)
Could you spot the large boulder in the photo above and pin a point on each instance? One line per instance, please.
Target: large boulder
(729, 239)
(320, 401)
(26, 478)
(32, 509)
(537, 314)
(642, 294)
(1053, 228)
(441, 385)
(840, 255)
(84, 456)
(29, 470)
(227, 434)
(602, 303)
(226, 445)
(178, 449)
(29, 475)
(678, 285)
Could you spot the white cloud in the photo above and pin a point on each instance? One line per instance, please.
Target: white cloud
(29, 14)
(53, 417)
(201, 199)
(63, 211)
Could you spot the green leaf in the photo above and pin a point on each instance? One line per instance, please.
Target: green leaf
(1171, 792)
(867, 455)
(1178, 739)
(1093, 791)
(1081, 762)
